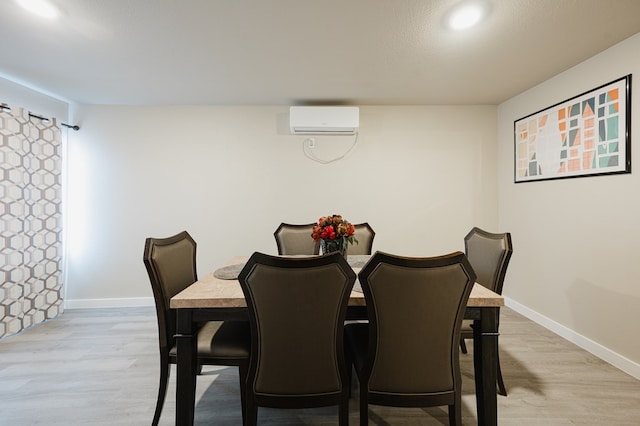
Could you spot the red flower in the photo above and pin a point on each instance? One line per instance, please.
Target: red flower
(332, 227)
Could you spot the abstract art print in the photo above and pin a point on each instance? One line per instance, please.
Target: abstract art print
(588, 134)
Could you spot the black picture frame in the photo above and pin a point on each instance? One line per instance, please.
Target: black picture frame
(586, 135)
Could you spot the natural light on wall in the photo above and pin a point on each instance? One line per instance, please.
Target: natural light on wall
(42, 8)
(77, 203)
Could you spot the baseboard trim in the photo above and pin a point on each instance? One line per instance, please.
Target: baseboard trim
(129, 302)
(606, 354)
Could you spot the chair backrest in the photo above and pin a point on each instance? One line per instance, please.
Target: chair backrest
(297, 308)
(296, 240)
(171, 265)
(415, 308)
(489, 255)
(364, 234)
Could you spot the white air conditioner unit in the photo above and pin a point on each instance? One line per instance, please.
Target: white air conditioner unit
(324, 120)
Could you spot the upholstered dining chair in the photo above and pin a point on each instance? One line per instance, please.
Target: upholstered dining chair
(489, 255)
(364, 234)
(171, 265)
(297, 307)
(294, 239)
(408, 356)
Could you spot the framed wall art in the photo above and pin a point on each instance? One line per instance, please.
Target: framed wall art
(589, 134)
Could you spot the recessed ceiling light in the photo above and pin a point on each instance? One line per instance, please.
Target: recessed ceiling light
(466, 16)
(42, 8)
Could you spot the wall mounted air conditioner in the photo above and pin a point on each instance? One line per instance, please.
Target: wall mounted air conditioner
(324, 120)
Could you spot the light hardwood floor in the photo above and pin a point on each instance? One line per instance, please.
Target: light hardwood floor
(100, 367)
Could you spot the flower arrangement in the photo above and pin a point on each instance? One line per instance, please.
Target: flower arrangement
(334, 231)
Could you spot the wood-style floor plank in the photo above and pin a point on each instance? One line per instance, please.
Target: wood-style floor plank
(100, 367)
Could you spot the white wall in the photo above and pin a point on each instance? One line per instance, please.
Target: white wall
(576, 266)
(421, 176)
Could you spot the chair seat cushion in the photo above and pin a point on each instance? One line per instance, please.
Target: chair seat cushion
(356, 342)
(466, 326)
(223, 340)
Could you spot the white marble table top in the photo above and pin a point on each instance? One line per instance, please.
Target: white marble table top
(213, 292)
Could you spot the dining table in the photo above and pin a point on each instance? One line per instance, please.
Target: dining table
(219, 297)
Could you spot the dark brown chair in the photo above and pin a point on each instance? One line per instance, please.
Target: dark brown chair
(407, 356)
(364, 234)
(489, 255)
(296, 240)
(297, 308)
(171, 265)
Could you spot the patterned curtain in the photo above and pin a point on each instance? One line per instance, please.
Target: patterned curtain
(30, 222)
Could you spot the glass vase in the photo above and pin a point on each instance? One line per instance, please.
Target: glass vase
(338, 244)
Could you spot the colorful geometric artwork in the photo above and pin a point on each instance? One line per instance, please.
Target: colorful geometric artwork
(585, 135)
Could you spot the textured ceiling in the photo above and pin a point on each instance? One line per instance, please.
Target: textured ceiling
(282, 52)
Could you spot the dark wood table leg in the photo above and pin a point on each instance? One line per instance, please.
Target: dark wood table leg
(485, 354)
(186, 368)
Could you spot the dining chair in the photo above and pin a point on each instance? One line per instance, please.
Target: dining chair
(489, 255)
(297, 307)
(407, 356)
(293, 239)
(364, 234)
(171, 265)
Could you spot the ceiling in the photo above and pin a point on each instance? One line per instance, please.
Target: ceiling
(292, 52)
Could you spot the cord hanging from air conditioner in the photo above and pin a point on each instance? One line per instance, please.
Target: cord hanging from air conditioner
(309, 143)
